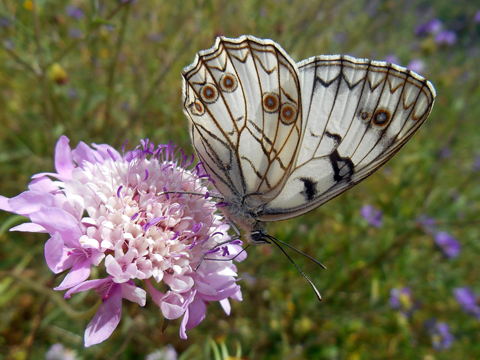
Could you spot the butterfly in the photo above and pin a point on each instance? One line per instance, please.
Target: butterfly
(281, 138)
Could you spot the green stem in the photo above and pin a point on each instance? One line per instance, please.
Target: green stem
(112, 68)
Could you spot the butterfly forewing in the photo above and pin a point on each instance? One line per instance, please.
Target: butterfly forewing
(243, 100)
(357, 115)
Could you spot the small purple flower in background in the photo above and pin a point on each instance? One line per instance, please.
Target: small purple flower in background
(74, 12)
(440, 334)
(59, 352)
(75, 33)
(166, 353)
(72, 93)
(372, 215)
(476, 163)
(402, 299)
(477, 17)
(416, 65)
(156, 37)
(449, 246)
(5, 22)
(429, 224)
(467, 300)
(445, 152)
(109, 209)
(446, 37)
(391, 58)
(432, 27)
(8, 44)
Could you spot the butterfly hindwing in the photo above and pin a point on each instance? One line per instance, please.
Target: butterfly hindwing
(357, 114)
(244, 102)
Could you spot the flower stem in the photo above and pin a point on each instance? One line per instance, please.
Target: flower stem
(113, 65)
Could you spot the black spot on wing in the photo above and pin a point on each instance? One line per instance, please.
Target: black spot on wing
(309, 188)
(335, 137)
(342, 166)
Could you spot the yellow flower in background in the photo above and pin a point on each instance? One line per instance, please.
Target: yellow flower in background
(58, 74)
(28, 5)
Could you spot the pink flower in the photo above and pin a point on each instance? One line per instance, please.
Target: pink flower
(139, 216)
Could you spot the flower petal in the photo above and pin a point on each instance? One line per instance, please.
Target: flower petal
(133, 293)
(106, 151)
(226, 306)
(29, 227)
(106, 319)
(83, 153)
(30, 201)
(79, 273)
(63, 158)
(197, 310)
(56, 220)
(43, 184)
(86, 285)
(54, 252)
(4, 204)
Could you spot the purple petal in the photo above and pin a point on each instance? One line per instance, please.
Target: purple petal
(226, 306)
(82, 153)
(4, 204)
(54, 252)
(63, 158)
(43, 184)
(178, 283)
(87, 285)
(197, 310)
(133, 293)
(30, 201)
(29, 227)
(79, 273)
(106, 319)
(107, 152)
(157, 295)
(56, 220)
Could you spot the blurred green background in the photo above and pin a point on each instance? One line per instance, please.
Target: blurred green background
(107, 71)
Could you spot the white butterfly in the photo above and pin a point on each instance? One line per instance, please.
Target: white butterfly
(280, 138)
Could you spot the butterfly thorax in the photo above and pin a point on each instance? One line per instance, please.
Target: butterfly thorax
(246, 218)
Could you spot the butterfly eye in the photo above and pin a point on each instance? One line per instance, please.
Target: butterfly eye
(197, 108)
(381, 117)
(270, 102)
(288, 113)
(228, 82)
(209, 93)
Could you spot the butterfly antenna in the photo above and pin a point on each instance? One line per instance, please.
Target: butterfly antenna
(246, 247)
(274, 240)
(298, 251)
(216, 246)
(206, 195)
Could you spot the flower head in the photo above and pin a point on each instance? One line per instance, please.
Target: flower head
(166, 353)
(446, 37)
(476, 163)
(467, 300)
(392, 58)
(372, 215)
(432, 27)
(5, 22)
(59, 352)
(477, 17)
(440, 334)
(449, 246)
(144, 215)
(74, 12)
(429, 224)
(402, 299)
(416, 65)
